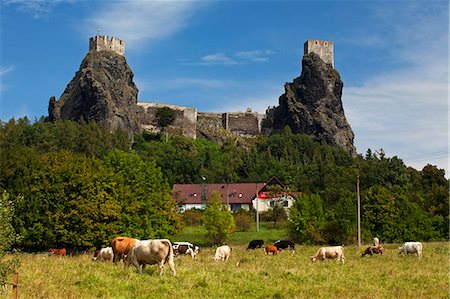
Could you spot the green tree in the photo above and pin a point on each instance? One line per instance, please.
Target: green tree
(165, 116)
(306, 219)
(72, 201)
(380, 214)
(148, 209)
(217, 220)
(8, 237)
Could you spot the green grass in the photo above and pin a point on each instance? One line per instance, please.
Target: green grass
(197, 235)
(285, 275)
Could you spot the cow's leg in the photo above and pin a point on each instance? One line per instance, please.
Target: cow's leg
(161, 267)
(172, 267)
(137, 266)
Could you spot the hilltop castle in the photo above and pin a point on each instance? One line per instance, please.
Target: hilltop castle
(102, 43)
(323, 48)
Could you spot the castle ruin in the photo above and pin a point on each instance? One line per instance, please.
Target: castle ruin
(188, 121)
(105, 43)
(323, 48)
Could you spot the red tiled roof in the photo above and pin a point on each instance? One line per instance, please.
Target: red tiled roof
(237, 193)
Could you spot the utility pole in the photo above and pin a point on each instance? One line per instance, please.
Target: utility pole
(359, 211)
(257, 209)
(203, 186)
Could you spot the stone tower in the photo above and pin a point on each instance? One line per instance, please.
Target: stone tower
(102, 43)
(323, 48)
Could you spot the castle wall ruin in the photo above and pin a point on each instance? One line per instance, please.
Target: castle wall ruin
(243, 123)
(323, 48)
(185, 118)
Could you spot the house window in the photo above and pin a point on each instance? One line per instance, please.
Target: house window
(285, 203)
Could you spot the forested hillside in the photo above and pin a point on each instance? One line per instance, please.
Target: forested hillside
(77, 185)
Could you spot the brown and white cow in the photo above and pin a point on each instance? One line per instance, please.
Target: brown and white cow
(185, 248)
(373, 250)
(150, 252)
(332, 252)
(105, 254)
(376, 241)
(121, 246)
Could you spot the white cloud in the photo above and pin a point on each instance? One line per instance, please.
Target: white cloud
(241, 57)
(4, 70)
(37, 8)
(404, 110)
(255, 56)
(141, 23)
(217, 59)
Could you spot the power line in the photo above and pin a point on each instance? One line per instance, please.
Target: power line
(427, 156)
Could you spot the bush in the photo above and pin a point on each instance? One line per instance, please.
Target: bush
(243, 221)
(192, 217)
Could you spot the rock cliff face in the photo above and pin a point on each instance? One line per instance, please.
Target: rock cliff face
(312, 105)
(102, 90)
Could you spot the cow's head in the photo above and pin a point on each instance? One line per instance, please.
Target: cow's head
(313, 258)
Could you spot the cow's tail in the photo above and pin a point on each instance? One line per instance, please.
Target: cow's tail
(169, 257)
(113, 245)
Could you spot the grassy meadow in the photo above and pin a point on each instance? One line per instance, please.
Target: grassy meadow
(285, 275)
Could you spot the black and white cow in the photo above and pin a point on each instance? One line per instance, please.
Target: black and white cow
(285, 244)
(185, 248)
(255, 244)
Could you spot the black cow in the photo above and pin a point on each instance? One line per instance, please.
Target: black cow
(285, 244)
(185, 248)
(255, 244)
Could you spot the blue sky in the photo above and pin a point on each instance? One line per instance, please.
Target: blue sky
(222, 56)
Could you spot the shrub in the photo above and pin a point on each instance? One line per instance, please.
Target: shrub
(243, 221)
(192, 217)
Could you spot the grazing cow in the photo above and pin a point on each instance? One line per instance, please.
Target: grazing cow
(284, 244)
(332, 252)
(222, 253)
(105, 254)
(59, 252)
(185, 248)
(410, 248)
(376, 241)
(150, 252)
(373, 250)
(271, 249)
(255, 244)
(121, 246)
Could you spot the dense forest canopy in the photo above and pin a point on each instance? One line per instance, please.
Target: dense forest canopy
(78, 185)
